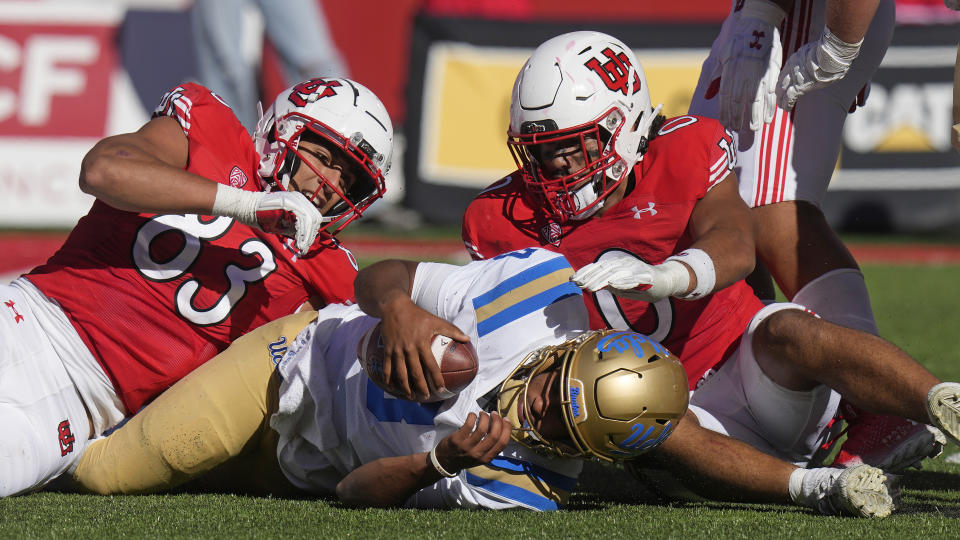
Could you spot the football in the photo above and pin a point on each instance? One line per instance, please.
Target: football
(458, 364)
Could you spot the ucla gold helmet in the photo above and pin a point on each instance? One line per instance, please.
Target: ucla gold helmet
(622, 394)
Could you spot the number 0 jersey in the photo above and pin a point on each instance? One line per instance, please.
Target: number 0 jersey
(154, 296)
(332, 418)
(688, 158)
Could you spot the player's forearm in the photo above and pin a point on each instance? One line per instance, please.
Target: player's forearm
(719, 467)
(387, 482)
(849, 19)
(381, 286)
(128, 178)
(733, 254)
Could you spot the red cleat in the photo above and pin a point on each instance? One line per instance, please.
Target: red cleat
(890, 443)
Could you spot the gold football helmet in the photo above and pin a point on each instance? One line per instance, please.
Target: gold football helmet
(622, 395)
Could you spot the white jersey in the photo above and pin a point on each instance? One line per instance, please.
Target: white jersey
(332, 418)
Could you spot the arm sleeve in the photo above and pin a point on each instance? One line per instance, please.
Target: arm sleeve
(427, 284)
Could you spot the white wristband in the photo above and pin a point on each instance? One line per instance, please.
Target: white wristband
(437, 466)
(236, 203)
(702, 265)
(837, 54)
(765, 10)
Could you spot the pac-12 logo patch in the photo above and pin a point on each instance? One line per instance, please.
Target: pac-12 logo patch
(238, 178)
(551, 233)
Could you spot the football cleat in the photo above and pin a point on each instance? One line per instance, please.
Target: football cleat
(890, 443)
(943, 406)
(861, 491)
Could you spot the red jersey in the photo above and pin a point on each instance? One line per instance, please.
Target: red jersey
(688, 157)
(154, 296)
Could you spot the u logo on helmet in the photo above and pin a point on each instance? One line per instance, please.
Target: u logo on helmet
(615, 72)
(307, 91)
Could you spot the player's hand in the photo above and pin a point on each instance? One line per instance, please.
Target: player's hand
(815, 65)
(407, 331)
(750, 67)
(632, 278)
(477, 442)
(291, 214)
(281, 212)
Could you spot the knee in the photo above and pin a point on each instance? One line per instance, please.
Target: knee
(784, 332)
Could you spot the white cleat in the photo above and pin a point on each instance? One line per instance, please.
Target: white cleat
(943, 406)
(861, 491)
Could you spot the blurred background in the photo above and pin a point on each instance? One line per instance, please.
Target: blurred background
(74, 71)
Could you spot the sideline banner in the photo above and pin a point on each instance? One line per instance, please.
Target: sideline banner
(896, 153)
(60, 91)
(72, 73)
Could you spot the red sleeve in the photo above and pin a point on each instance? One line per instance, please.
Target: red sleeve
(695, 143)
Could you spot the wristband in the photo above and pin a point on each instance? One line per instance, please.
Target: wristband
(437, 466)
(765, 10)
(837, 54)
(702, 265)
(236, 203)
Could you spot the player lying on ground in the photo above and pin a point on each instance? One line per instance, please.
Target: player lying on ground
(566, 394)
(198, 235)
(647, 210)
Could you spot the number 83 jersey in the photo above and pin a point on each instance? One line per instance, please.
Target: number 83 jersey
(154, 296)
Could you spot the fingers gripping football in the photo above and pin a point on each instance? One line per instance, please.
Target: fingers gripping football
(481, 438)
(455, 362)
(632, 278)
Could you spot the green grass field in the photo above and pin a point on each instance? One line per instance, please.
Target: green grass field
(915, 308)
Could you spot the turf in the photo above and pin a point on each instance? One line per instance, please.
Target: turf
(915, 307)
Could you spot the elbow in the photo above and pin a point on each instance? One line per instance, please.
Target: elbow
(356, 498)
(95, 171)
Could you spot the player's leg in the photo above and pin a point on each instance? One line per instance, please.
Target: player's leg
(43, 421)
(799, 351)
(216, 413)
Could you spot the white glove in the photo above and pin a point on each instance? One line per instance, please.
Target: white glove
(815, 65)
(282, 212)
(750, 66)
(632, 278)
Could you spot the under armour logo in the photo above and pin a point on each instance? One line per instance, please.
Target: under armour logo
(615, 72)
(649, 208)
(277, 349)
(17, 317)
(66, 438)
(755, 44)
(307, 91)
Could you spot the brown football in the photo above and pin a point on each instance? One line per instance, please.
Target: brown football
(458, 363)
